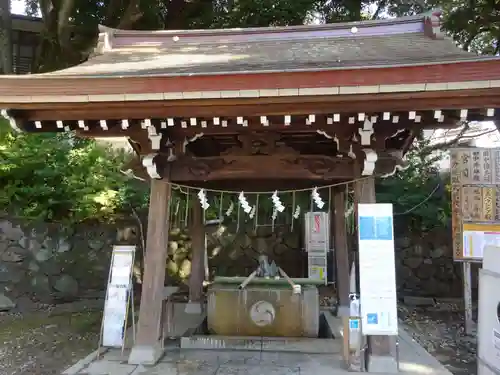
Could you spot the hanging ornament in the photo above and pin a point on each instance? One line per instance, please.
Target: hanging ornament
(230, 210)
(278, 206)
(317, 199)
(275, 214)
(203, 199)
(296, 213)
(244, 203)
(252, 213)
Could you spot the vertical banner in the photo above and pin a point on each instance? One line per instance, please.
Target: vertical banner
(317, 235)
(117, 296)
(317, 228)
(377, 269)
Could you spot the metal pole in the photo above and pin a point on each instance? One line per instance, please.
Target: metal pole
(467, 284)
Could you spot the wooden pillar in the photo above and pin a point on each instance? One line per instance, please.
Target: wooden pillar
(339, 230)
(148, 347)
(382, 356)
(341, 251)
(197, 260)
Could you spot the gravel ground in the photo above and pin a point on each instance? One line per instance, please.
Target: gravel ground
(44, 344)
(440, 330)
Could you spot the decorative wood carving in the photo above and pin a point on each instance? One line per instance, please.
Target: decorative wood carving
(198, 168)
(259, 143)
(154, 137)
(12, 121)
(318, 165)
(432, 24)
(258, 167)
(150, 164)
(389, 163)
(369, 162)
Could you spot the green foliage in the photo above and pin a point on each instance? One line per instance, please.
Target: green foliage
(420, 194)
(71, 25)
(59, 177)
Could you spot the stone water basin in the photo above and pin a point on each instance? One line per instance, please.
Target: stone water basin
(263, 310)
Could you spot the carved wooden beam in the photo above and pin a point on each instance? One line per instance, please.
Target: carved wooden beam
(301, 169)
(389, 163)
(259, 167)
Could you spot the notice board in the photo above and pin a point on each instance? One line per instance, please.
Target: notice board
(475, 195)
(377, 269)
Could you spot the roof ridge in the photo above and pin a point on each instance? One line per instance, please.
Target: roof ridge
(428, 23)
(268, 29)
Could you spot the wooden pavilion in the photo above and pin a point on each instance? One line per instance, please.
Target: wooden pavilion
(266, 108)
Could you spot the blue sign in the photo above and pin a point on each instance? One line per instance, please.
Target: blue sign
(367, 228)
(372, 318)
(383, 228)
(354, 323)
(375, 228)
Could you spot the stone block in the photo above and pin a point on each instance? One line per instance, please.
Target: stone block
(419, 301)
(103, 367)
(159, 369)
(6, 303)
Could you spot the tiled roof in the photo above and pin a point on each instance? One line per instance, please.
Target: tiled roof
(386, 43)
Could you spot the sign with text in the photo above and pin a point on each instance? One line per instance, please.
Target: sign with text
(477, 236)
(317, 232)
(475, 194)
(377, 269)
(117, 296)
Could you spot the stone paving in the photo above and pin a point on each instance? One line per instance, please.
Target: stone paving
(414, 360)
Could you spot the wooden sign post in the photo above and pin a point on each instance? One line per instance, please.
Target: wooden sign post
(119, 298)
(475, 194)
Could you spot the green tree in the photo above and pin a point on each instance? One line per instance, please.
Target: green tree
(70, 26)
(420, 194)
(60, 177)
(5, 43)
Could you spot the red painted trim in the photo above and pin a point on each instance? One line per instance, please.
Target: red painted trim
(456, 72)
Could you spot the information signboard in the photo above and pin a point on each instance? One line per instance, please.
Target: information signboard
(475, 193)
(317, 232)
(377, 270)
(477, 236)
(117, 296)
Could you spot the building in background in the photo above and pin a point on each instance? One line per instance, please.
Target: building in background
(25, 35)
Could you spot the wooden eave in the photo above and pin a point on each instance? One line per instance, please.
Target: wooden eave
(473, 99)
(17, 91)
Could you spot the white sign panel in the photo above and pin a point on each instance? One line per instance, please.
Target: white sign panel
(317, 231)
(317, 267)
(377, 271)
(117, 294)
(475, 242)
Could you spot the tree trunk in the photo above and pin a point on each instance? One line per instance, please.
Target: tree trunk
(5, 40)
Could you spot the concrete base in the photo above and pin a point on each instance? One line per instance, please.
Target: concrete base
(193, 308)
(146, 354)
(382, 365)
(263, 344)
(414, 360)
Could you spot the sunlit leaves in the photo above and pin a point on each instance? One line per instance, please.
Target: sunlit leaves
(57, 177)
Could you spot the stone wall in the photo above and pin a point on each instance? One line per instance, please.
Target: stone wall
(51, 263)
(425, 267)
(235, 253)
